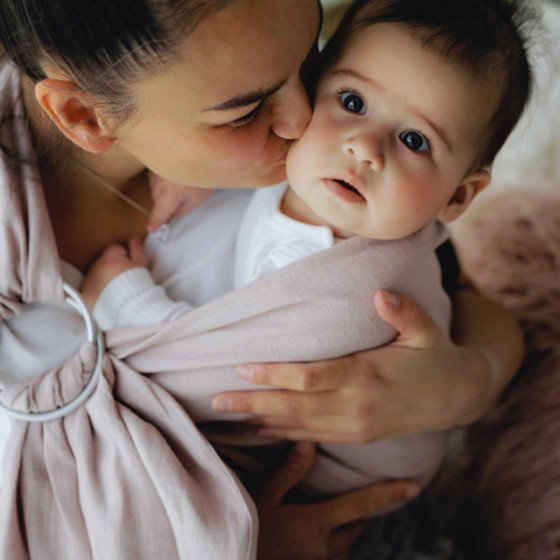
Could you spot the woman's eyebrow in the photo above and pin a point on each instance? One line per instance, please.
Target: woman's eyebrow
(246, 99)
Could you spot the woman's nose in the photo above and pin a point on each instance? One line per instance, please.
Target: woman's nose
(292, 112)
(366, 148)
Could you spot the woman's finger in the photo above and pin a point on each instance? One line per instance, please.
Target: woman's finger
(416, 328)
(292, 469)
(323, 424)
(307, 377)
(334, 436)
(274, 403)
(341, 540)
(365, 502)
(328, 428)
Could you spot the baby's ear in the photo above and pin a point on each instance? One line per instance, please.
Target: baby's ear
(464, 195)
(76, 117)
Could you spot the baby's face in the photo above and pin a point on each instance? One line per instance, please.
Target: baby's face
(394, 132)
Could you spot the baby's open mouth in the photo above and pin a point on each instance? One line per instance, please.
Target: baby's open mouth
(348, 186)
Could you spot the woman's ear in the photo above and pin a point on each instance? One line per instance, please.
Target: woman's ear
(65, 104)
(464, 194)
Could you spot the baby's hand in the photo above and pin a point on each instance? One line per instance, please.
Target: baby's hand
(114, 260)
(171, 200)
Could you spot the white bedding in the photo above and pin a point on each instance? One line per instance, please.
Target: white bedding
(531, 156)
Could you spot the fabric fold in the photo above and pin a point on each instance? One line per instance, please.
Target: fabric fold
(315, 309)
(128, 475)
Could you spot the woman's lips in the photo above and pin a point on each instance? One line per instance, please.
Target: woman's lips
(344, 190)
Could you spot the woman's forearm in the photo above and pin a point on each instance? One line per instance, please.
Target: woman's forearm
(494, 335)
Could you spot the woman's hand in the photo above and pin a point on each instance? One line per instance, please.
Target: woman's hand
(420, 382)
(321, 531)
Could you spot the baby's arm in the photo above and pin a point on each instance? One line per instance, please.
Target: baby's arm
(121, 292)
(171, 200)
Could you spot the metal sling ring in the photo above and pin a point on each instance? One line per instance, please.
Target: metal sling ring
(95, 337)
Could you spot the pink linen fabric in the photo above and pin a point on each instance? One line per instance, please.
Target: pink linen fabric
(318, 308)
(126, 476)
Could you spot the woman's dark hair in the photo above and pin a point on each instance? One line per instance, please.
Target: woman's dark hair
(487, 37)
(104, 45)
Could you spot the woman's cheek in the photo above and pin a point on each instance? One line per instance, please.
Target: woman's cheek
(233, 150)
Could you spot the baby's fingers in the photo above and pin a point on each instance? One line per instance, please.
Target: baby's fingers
(113, 252)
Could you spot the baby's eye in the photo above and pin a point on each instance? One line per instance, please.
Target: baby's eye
(415, 141)
(352, 102)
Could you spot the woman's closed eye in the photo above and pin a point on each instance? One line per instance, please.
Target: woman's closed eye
(246, 119)
(415, 141)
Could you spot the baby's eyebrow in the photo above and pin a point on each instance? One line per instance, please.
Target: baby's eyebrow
(439, 131)
(353, 74)
(246, 99)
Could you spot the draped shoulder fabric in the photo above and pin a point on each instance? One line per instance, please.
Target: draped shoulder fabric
(128, 475)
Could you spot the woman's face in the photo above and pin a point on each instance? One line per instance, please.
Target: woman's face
(225, 113)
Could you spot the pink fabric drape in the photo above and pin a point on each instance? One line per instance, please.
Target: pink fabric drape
(315, 309)
(128, 475)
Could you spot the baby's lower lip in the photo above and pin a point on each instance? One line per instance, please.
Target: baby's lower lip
(343, 192)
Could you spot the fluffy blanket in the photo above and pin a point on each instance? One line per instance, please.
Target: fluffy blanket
(511, 249)
(509, 244)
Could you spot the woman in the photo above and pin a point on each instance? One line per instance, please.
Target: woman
(210, 94)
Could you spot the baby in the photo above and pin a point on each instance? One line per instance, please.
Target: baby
(413, 101)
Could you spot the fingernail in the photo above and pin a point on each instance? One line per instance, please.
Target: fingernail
(222, 404)
(245, 372)
(392, 300)
(303, 447)
(412, 492)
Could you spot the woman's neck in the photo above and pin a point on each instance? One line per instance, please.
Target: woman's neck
(80, 191)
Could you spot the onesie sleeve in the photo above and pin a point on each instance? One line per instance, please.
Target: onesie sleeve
(134, 299)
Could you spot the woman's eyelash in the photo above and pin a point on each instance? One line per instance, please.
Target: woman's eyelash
(246, 119)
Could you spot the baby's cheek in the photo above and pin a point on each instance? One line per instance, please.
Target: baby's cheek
(293, 162)
(424, 200)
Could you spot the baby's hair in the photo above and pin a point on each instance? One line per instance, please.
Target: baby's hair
(103, 45)
(486, 37)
